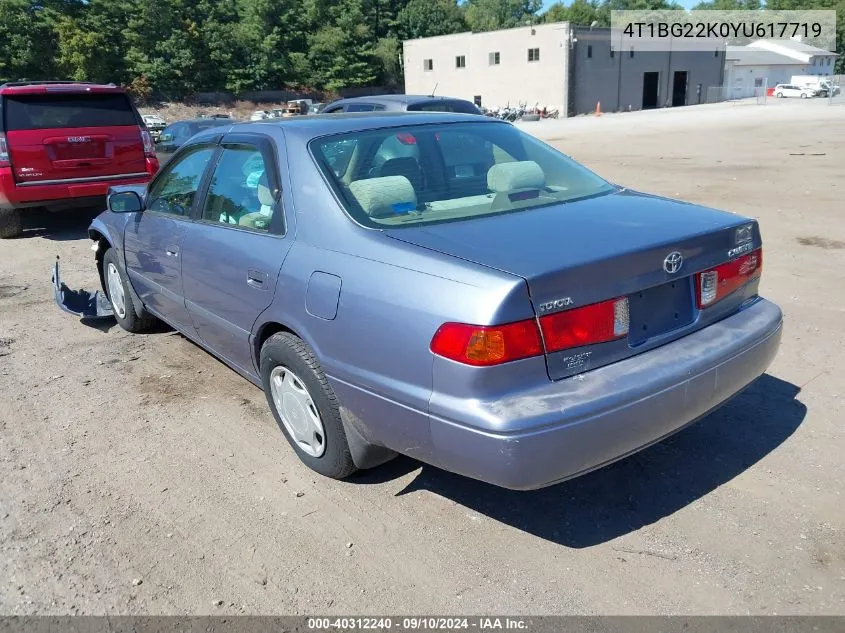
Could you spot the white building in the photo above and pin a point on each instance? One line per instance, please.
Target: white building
(500, 67)
(766, 63)
(560, 67)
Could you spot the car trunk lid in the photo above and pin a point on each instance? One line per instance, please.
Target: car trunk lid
(61, 137)
(593, 250)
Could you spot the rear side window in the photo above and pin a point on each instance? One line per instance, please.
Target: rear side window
(360, 107)
(45, 111)
(240, 192)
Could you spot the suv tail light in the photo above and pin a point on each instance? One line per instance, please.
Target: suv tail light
(595, 323)
(149, 146)
(4, 151)
(717, 283)
(485, 345)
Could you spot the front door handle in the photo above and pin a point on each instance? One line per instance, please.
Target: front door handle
(172, 251)
(256, 278)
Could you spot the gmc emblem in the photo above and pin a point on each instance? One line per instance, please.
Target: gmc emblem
(78, 139)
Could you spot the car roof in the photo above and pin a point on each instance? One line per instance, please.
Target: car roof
(47, 87)
(305, 128)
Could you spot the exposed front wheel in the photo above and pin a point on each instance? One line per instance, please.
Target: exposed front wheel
(803, 96)
(304, 405)
(119, 294)
(10, 223)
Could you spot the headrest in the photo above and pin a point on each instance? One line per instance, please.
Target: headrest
(385, 196)
(524, 174)
(265, 195)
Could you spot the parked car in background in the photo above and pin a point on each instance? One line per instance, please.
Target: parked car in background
(398, 103)
(791, 90)
(155, 124)
(64, 143)
(176, 134)
(315, 108)
(530, 321)
(260, 115)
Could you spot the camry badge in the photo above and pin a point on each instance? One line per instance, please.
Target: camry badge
(673, 262)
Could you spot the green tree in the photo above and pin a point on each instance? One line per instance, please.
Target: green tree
(729, 5)
(580, 13)
(489, 15)
(428, 18)
(27, 39)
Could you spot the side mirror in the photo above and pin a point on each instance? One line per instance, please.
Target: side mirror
(125, 202)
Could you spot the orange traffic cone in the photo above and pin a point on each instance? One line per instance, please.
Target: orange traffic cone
(598, 108)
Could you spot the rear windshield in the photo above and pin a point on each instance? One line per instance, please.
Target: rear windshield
(461, 107)
(45, 111)
(423, 174)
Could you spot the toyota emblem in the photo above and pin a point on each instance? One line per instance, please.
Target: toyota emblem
(673, 262)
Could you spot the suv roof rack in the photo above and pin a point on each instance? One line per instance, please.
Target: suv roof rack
(12, 84)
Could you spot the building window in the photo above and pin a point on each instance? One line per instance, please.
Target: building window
(631, 53)
(494, 59)
(428, 64)
(828, 61)
(589, 52)
(533, 54)
(612, 53)
(460, 61)
(758, 82)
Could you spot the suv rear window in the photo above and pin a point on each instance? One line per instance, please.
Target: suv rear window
(45, 111)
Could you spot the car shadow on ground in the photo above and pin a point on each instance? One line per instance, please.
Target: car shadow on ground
(637, 491)
(61, 226)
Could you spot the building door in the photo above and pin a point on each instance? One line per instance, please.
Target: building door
(651, 83)
(679, 88)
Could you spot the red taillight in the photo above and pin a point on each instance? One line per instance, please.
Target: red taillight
(482, 345)
(149, 146)
(485, 345)
(4, 151)
(595, 323)
(717, 283)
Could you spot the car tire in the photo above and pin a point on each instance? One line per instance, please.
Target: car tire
(803, 95)
(779, 95)
(10, 223)
(119, 293)
(305, 406)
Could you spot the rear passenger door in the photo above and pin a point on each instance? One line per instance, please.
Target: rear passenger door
(233, 252)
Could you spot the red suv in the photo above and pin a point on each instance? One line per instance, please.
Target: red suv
(63, 144)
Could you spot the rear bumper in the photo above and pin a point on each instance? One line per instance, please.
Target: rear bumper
(578, 424)
(72, 193)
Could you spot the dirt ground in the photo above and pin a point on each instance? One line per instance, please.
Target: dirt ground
(138, 475)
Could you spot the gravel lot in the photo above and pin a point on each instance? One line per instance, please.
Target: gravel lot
(138, 475)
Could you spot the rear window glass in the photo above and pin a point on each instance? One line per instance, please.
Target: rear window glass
(37, 112)
(424, 174)
(461, 107)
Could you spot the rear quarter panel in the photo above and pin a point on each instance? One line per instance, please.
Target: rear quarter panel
(392, 299)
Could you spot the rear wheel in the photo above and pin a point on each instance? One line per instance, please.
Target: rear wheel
(803, 95)
(779, 95)
(10, 223)
(120, 296)
(304, 405)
